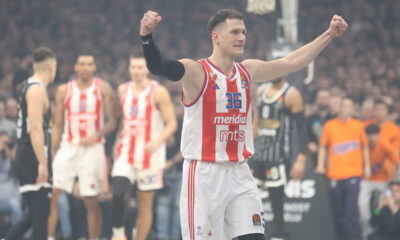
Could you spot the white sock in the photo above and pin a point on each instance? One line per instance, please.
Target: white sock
(118, 232)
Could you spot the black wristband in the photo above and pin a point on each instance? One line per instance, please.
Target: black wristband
(146, 39)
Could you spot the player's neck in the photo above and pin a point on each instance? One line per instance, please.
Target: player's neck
(84, 83)
(278, 85)
(223, 62)
(43, 78)
(139, 85)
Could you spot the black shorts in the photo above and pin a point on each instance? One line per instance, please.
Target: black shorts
(26, 165)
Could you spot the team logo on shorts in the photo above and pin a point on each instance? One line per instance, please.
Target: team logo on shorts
(199, 232)
(256, 220)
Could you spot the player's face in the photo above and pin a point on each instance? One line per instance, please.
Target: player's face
(138, 69)
(85, 67)
(232, 36)
(380, 112)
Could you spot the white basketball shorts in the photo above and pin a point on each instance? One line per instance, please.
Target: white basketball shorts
(86, 163)
(219, 201)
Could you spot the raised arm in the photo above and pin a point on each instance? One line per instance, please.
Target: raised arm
(58, 125)
(189, 71)
(262, 71)
(35, 98)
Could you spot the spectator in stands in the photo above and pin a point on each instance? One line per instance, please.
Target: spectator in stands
(344, 139)
(388, 129)
(12, 109)
(10, 198)
(316, 122)
(5, 124)
(383, 157)
(386, 217)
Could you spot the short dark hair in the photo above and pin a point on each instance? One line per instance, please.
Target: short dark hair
(86, 54)
(394, 182)
(42, 54)
(2, 132)
(220, 16)
(136, 54)
(372, 129)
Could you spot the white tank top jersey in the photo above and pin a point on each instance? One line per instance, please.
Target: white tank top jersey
(83, 114)
(142, 122)
(217, 126)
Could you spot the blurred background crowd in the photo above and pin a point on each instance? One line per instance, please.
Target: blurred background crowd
(363, 64)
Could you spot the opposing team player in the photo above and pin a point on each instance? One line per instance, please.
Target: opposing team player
(32, 155)
(278, 103)
(148, 119)
(220, 199)
(82, 105)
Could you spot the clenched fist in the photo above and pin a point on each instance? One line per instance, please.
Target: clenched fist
(338, 26)
(149, 21)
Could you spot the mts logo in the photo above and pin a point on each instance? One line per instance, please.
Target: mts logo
(235, 135)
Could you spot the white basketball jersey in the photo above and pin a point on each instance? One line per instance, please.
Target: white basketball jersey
(142, 122)
(218, 126)
(83, 114)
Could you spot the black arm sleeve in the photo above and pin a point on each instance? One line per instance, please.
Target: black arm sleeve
(171, 69)
(301, 127)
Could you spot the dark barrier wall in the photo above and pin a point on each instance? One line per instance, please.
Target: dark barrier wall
(307, 211)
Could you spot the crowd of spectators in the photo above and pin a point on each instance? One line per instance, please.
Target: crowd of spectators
(363, 64)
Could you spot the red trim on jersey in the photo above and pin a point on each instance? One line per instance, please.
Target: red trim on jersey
(232, 144)
(208, 129)
(126, 87)
(219, 70)
(242, 70)
(131, 158)
(98, 105)
(245, 71)
(67, 103)
(203, 88)
(147, 136)
(191, 196)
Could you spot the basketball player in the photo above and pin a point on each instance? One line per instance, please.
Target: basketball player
(81, 106)
(148, 119)
(277, 104)
(32, 158)
(219, 198)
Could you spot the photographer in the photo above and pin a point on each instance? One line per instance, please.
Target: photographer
(10, 199)
(386, 217)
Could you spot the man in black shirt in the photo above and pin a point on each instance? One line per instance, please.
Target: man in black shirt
(316, 122)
